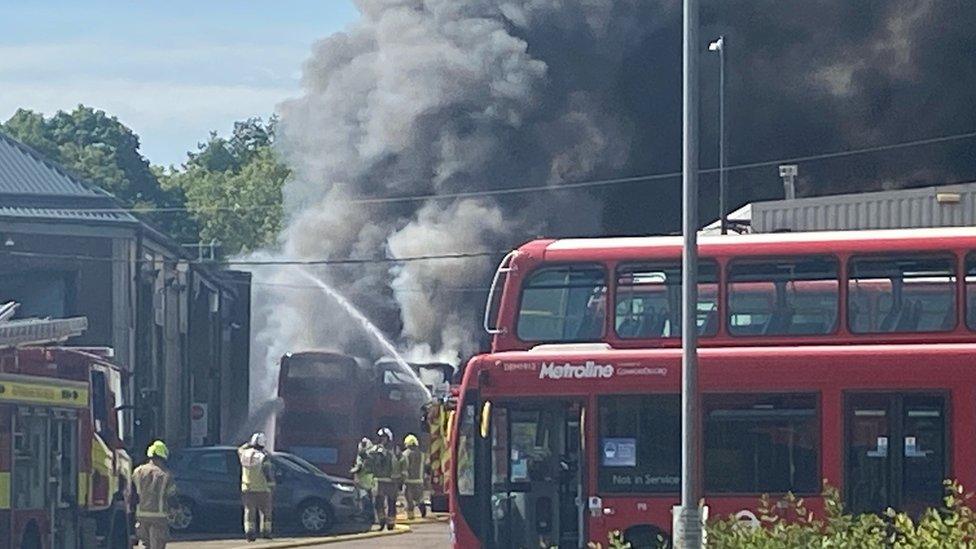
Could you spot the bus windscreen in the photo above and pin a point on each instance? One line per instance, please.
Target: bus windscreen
(314, 367)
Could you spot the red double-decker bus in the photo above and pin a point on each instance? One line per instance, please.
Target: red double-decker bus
(332, 401)
(837, 356)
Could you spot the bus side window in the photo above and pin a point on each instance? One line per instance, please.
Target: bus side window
(783, 297)
(756, 443)
(648, 300)
(908, 294)
(639, 444)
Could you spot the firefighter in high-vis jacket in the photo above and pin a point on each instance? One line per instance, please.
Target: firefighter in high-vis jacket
(155, 490)
(413, 464)
(257, 487)
(360, 472)
(382, 464)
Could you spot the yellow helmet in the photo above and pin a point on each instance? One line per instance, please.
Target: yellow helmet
(410, 440)
(158, 449)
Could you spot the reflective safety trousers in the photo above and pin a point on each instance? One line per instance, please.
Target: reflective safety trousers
(257, 473)
(155, 488)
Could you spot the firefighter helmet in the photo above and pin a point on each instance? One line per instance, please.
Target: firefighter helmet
(158, 449)
(259, 440)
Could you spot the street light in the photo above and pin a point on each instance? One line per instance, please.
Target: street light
(719, 46)
(788, 172)
(687, 519)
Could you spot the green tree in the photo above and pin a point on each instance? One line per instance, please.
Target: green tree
(233, 187)
(248, 138)
(98, 148)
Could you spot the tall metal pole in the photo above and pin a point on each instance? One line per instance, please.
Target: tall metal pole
(722, 188)
(688, 534)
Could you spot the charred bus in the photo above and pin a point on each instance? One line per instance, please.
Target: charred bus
(333, 400)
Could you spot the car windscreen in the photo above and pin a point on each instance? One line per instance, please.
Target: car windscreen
(300, 463)
(289, 465)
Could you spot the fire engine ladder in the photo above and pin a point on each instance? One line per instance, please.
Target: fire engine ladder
(37, 331)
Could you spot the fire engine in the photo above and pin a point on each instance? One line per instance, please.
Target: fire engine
(64, 473)
(438, 415)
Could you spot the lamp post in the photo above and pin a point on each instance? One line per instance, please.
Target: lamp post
(687, 519)
(719, 46)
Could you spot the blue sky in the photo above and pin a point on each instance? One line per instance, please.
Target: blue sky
(172, 71)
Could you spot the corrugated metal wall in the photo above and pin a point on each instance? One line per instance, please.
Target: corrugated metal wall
(909, 208)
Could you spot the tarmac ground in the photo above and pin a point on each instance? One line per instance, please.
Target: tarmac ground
(430, 533)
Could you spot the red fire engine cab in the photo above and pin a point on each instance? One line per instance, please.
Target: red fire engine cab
(64, 474)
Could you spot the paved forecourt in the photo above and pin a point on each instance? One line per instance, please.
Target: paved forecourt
(429, 535)
(430, 532)
(372, 536)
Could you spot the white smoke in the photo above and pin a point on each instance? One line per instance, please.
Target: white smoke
(432, 319)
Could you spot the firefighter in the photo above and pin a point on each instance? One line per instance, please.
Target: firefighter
(257, 486)
(155, 490)
(360, 471)
(382, 464)
(363, 475)
(413, 476)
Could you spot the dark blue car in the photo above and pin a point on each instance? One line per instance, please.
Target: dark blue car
(208, 481)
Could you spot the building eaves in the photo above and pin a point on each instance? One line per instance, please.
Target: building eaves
(58, 214)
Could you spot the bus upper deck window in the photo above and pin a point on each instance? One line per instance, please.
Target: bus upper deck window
(902, 294)
(566, 303)
(783, 297)
(648, 300)
(311, 366)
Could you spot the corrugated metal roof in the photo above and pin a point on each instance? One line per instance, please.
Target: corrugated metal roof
(25, 172)
(32, 187)
(898, 209)
(64, 214)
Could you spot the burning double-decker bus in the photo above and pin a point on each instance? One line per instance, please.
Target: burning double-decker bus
(332, 401)
(837, 356)
(326, 408)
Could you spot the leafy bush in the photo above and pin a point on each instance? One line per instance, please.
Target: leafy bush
(788, 524)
